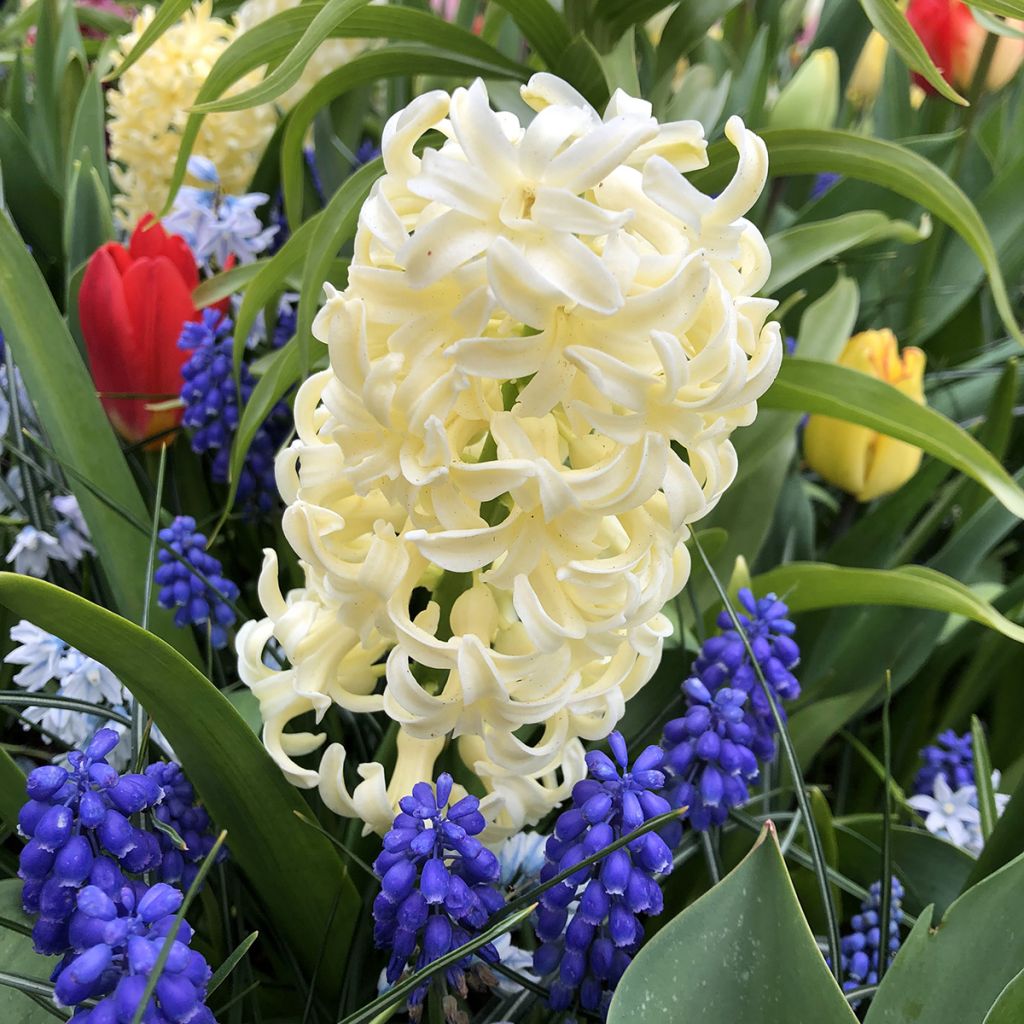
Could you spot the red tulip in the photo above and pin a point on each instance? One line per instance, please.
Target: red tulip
(132, 306)
(954, 41)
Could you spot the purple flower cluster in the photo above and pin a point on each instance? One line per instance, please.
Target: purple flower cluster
(199, 600)
(951, 756)
(714, 750)
(109, 927)
(860, 947)
(589, 925)
(212, 409)
(75, 817)
(438, 884)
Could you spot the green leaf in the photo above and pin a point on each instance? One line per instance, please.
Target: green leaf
(892, 23)
(828, 322)
(1009, 1007)
(1007, 8)
(30, 197)
(296, 874)
(88, 222)
(742, 952)
(88, 131)
(395, 61)
(954, 971)
(806, 246)
(810, 586)
(78, 430)
(983, 779)
(18, 957)
(226, 283)
(882, 163)
(806, 385)
(683, 31)
(166, 15)
(1006, 841)
(329, 17)
(12, 789)
(543, 27)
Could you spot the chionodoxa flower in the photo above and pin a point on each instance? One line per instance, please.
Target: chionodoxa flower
(547, 338)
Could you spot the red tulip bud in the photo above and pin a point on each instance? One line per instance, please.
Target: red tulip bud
(132, 305)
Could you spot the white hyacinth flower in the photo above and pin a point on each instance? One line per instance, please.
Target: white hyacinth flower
(547, 338)
(32, 551)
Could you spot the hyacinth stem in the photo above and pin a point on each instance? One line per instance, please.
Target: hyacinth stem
(44, 700)
(885, 896)
(821, 867)
(138, 711)
(165, 949)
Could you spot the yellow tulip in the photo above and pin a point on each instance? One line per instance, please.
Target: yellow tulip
(866, 79)
(861, 461)
(811, 98)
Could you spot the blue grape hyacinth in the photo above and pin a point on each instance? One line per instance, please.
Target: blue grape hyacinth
(951, 756)
(714, 750)
(212, 410)
(438, 884)
(589, 925)
(860, 948)
(78, 823)
(199, 601)
(116, 939)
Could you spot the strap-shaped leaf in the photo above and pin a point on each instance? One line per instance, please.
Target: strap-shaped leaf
(813, 151)
(892, 23)
(806, 385)
(296, 871)
(167, 14)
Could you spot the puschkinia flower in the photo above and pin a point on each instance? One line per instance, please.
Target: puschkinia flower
(547, 339)
(116, 938)
(71, 529)
(589, 925)
(860, 947)
(199, 600)
(952, 757)
(212, 412)
(73, 817)
(521, 858)
(713, 750)
(953, 814)
(438, 884)
(215, 224)
(33, 550)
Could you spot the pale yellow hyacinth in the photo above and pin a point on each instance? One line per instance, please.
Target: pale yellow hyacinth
(149, 108)
(329, 56)
(547, 338)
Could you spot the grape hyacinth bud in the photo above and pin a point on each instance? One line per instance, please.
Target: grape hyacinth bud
(212, 411)
(438, 885)
(116, 939)
(589, 924)
(199, 602)
(75, 818)
(180, 811)
(713, 751)
(860, 947)
(951, 756)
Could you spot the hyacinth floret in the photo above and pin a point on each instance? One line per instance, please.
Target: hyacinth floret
(75, 817)
(212, 411)
(860, 947)
(438, 884)
(951, 756)
(589, 925)
(199, 601)
(116, 938)
(715, 749)
(180, 810)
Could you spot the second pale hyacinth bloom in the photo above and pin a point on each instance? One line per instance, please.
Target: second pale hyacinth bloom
(861, 461)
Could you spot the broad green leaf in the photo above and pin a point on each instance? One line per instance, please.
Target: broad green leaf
(881, 163)
(78, 431)
(1009, 1007)
(983, 778)
(396, 60)
(619, 15)
(330, 16)
(88, 222)
(12, 789)
(31, 199)
(166, 15)
(18, 957)
(806, 385)
(683, 31)
(828, 322)
(892, 23)
(543, 27)
(1007, 8)
(742, 952)
(995, 25)
(226, 283)
(806, 246)
(809, 586)
(956, 969)
(296, 872)
(89, 131)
